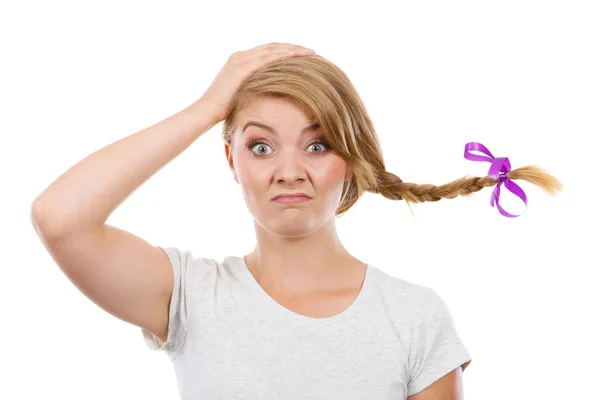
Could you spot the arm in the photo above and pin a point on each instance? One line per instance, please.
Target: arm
(85, 195)
(448, 387)
(120, 272)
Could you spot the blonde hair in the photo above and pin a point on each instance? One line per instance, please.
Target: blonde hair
(326, 90)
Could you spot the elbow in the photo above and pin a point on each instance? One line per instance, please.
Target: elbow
(43, 223)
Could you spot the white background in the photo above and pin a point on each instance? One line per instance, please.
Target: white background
(520, 77)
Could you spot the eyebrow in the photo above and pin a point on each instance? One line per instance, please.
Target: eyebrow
(312, 127)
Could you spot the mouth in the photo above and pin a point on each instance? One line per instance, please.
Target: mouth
(293, 198)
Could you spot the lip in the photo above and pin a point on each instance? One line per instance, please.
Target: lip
(291, 198)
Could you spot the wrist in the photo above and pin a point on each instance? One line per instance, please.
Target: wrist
(208, 109)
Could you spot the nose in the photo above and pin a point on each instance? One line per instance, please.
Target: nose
(290, 168)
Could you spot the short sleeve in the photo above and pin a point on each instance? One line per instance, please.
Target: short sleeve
(436, 348)
(187, 278)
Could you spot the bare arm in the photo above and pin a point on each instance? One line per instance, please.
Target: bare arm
(120, 272)
(85, 195)
(448, 387)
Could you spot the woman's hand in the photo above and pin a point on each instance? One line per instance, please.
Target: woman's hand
(238, 67)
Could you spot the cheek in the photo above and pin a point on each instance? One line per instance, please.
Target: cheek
(331, 172)
(249, 172)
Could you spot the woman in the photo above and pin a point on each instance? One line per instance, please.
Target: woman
(298, 317)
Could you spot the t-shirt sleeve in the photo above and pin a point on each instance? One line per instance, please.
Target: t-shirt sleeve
(436, 348)
(188, 276)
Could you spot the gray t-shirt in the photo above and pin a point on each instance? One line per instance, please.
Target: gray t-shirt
(228, 339)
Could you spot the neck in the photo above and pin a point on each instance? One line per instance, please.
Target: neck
(315, 262)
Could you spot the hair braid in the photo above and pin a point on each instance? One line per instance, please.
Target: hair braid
(394, 188)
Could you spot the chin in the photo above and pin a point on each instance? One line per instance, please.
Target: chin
(290, 227)
(292, 232)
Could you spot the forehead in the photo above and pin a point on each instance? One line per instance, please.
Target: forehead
(275, 111)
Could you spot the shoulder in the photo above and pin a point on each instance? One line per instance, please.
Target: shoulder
(199, 272)
(402, 300)
(396, 290)
(419, 304)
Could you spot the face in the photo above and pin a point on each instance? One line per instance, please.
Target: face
(291, 157)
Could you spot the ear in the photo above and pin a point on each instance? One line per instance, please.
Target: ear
(229, 157)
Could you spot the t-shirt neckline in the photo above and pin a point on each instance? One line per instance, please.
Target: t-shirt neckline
(270, 307)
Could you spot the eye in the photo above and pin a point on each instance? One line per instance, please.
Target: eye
(258, 145)
(317, 144)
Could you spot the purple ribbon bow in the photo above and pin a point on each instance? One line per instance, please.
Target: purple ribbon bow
(500, 166)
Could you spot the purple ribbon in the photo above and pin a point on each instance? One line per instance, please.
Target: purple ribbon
(500, 166)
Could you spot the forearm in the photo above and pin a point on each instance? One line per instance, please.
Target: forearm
(86, 194)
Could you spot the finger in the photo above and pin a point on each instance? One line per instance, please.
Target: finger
(285, 52)
(278, 45)
(268, 57)
(276, 48)
(297, 49)
(264, 46)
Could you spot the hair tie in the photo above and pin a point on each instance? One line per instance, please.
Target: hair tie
(500, 166)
